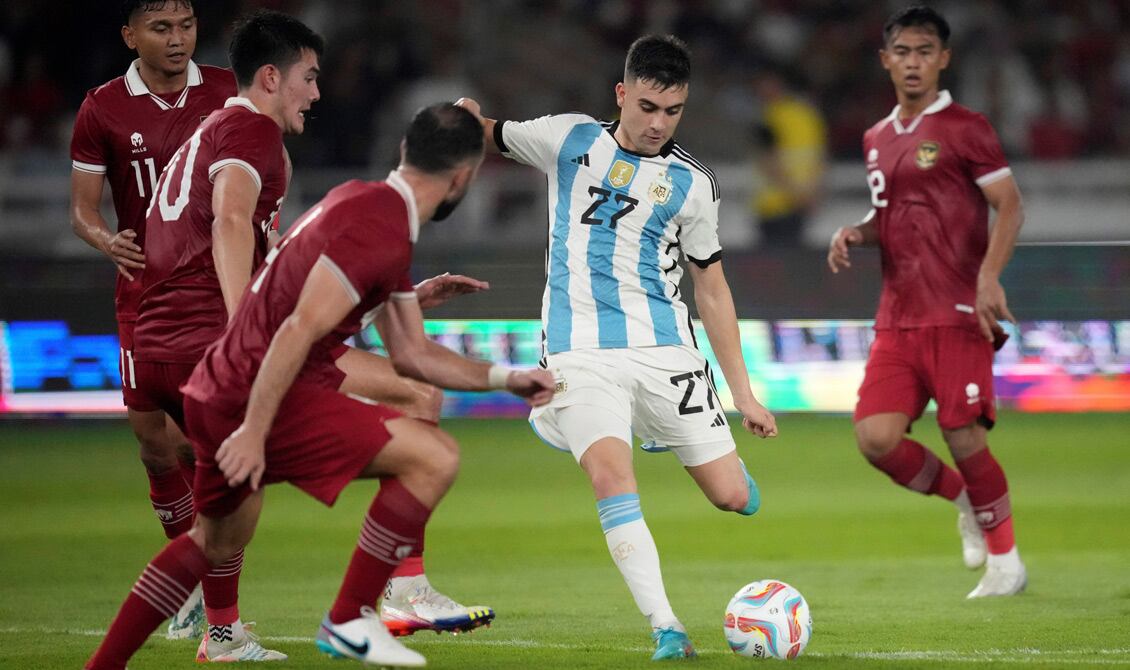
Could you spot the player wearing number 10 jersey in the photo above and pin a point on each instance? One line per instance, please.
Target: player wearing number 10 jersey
(125, 133)
(935, 168)
(625, 201)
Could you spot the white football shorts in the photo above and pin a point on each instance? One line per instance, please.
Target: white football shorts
(664, 395)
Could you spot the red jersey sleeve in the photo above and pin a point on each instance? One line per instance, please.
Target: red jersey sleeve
(88, 143)
(981, 152)
(365, 262)
(250, 141)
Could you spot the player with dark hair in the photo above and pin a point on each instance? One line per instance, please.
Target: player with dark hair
(625, 202)
(125, 133)
(935, 168)
(208, 226)
(264, 405)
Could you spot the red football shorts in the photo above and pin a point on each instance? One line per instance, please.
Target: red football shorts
(131, 398)
(907, 367)
(158, 387)
(320, 441)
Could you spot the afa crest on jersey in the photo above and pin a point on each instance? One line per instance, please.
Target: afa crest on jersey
(659, 192)
(621, 173)
(927, 155)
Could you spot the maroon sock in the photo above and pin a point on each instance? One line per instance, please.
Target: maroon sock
(157, 595)
(413, 563)
(988, 492)
(917, 468)
(392, 528)
(187, 471)
(172, 501)
(221, 591)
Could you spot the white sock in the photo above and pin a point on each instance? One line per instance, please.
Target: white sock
(1010, 560)
(634, 553)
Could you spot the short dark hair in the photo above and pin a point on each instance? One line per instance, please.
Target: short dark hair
(917, 16)
(128, 7)
(441, 137)
(267, 37)
(663, 59)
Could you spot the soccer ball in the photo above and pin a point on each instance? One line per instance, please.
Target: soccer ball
(768, 619)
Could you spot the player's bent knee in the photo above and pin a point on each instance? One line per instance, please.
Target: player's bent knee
(875, 443)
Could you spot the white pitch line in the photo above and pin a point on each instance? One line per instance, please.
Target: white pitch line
(1020, 656)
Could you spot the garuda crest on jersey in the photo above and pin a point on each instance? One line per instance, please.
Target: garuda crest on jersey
(926, 156)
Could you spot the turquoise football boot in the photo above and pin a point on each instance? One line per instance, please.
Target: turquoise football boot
(671, 644)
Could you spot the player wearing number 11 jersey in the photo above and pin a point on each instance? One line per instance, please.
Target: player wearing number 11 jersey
(625, 201)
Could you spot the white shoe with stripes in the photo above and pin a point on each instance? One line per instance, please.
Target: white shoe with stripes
(234, 643)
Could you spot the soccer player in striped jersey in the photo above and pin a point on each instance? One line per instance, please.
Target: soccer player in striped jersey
(935, 168)
(625, 202)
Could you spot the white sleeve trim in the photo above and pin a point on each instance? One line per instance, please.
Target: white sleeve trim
(88, 167)
(402, 295)
(333, 267)
(221, 164)
(870, 215)
(994, 176)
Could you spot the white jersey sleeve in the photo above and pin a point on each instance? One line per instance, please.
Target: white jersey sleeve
(699, 228)
(537, 141)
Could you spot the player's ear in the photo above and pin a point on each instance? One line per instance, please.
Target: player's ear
(621, 93)
(269, 78)
(128, 37)
(945, 59)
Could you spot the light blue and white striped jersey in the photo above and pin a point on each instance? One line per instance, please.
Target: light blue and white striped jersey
(617, 224)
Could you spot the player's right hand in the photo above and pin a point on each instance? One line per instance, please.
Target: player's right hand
(125, 253)
(845, 237)
(241, 458)
(535, 386)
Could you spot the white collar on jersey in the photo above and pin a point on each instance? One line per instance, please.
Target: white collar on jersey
(241, 102)
(405, 190)
(944, 100)
(135, 85)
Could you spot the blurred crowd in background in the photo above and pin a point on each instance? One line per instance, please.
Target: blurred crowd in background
(1053, 75)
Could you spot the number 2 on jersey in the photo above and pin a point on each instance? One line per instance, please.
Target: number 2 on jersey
(877, 183)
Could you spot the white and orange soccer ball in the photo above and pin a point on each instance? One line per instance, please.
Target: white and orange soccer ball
(768, 619)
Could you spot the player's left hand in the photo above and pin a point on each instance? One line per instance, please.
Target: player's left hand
(241, 459)
(438, 290)
(992, 306)
(535, 386)
(758, 420)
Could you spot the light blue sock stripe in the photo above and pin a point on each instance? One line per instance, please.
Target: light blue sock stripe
(618, 510)
(754, 503)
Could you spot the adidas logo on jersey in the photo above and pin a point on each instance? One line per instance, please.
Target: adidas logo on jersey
(719, 420)
(583, 159)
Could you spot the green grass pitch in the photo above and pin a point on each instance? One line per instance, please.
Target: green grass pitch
(880, 566)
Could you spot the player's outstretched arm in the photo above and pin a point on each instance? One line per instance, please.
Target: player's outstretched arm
(323, 304)
(233, 234)
(716, 309)
(1004, 197)
(441, 288)
(88, 224)
(862, 234)
(413, 355)
(472, 106)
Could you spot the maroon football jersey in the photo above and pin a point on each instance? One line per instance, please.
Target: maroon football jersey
(363, 232)
(182, 307)
(129, 134)
(926, 177)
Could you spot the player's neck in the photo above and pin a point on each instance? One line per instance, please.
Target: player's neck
(911, 107)
(161, 82)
